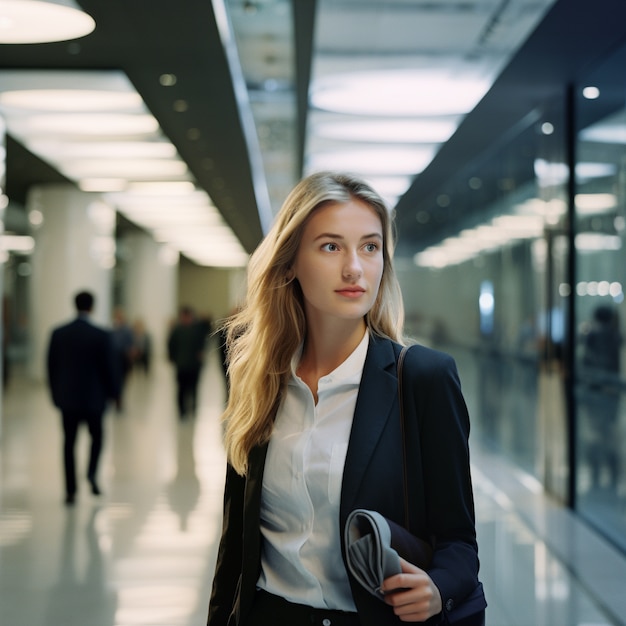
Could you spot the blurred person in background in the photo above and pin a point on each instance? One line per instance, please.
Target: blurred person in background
(186, 346)
(142, 347)
(123, 342)
(602, 340)
(82, 378)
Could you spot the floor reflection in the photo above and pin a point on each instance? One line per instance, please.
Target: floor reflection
(82, 576)
(184, 490)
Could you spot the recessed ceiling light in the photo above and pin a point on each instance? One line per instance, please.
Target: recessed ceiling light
(38, 21)
(167, 80)
(180, 106)
(591, 93)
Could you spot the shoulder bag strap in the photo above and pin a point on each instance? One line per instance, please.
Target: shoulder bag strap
(405, 478)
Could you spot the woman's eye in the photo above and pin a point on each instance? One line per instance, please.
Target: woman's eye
(330, 247)
(371, 247)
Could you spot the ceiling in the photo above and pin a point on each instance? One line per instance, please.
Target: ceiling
(246, 111)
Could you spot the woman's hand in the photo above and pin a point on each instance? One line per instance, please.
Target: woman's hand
(412, 594)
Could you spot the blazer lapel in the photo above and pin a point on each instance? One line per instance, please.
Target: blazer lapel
(377, 392)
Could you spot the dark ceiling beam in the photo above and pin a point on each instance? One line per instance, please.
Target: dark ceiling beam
(20, 160)
(573, 36)
(304, 34)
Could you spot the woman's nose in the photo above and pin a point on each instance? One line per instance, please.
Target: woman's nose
(352, 268)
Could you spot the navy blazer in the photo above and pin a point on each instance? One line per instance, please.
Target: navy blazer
(81, 367)
(442, 505)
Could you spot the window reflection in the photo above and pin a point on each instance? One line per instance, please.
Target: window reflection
(600, 256)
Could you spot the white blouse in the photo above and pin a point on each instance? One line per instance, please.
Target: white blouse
(301, 555)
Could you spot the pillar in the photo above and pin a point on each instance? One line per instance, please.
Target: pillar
(74, 250)
(149, 283)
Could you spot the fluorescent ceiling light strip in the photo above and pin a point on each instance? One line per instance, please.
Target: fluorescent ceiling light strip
(403, 92)
(102, 184)
(163, 200)
(219, 261)
(165, 226)
(605, 133)
(390, 185)
(387, 131)
(373, 162)
(173, 212)
(17, 243)
(196, 236)
(161, 188)
(66, 100)
(104, 125)
(594, 203)
(123, 168)
(63, 150)
(597, 241)
(173, 221)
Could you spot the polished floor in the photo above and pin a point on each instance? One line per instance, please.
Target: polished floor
(143, 553)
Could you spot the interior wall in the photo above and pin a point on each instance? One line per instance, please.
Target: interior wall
(211, 291)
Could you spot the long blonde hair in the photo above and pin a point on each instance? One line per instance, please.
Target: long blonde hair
(264, 334)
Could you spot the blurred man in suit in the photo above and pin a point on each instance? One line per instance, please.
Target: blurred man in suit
(186, 345)
(82, 378)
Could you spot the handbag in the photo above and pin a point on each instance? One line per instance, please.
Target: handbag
(374, 543)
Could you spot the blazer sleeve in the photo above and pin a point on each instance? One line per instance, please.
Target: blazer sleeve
(229, 558)
(435, 406)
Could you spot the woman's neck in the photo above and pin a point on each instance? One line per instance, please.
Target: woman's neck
(326, 349)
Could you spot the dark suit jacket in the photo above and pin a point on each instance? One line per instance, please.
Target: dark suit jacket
(440, 486)
(81, 368)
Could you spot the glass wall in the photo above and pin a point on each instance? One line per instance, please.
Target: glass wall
(600, 222)
(525, 288)
(493, 292)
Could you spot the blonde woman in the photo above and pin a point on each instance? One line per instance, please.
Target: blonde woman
(312, 427)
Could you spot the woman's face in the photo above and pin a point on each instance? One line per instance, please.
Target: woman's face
(339, 263)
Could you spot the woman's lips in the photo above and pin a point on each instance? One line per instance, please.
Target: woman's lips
(351, 292)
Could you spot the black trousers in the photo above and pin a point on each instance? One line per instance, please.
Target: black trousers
(71, 423)
(187, 393)
(270, 610)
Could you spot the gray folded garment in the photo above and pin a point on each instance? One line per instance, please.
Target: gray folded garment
(374, 546)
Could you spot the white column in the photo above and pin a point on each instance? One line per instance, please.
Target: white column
(74, 250)
(149, 285)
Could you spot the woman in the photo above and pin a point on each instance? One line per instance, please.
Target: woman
(313, 431)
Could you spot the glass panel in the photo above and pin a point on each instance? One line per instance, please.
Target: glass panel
(491, 291)
(600, 280)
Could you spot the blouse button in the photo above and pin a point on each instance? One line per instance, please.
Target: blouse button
(449, 604)
(326, 622)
